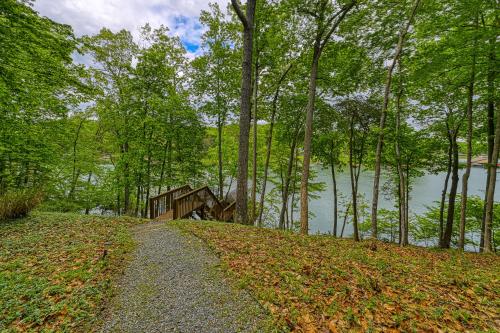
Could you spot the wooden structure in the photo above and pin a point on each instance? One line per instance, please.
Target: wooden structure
(185, 202)
(481, 161)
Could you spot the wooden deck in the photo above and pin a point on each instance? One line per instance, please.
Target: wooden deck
(185, 202)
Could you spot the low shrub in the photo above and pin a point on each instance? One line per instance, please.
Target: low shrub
(18, 204)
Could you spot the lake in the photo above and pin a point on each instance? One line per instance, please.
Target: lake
(425, 191)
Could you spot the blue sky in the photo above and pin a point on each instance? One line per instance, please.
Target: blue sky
(89, 16)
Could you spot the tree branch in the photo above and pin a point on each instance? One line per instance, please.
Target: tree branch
(341, 15)
(241, 16)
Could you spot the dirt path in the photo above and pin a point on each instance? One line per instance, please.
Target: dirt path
(173, 285)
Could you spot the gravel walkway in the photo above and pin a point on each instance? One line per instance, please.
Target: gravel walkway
(173, 285)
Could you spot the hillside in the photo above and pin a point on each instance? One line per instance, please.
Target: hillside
(318, 283)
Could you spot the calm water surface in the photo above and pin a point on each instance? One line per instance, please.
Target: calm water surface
(425, 191)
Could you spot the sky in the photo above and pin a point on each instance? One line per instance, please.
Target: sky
(89, 16)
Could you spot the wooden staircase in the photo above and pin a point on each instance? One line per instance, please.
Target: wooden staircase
(184, 202)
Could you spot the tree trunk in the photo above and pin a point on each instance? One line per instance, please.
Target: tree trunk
(246, 94)
(491, 124)
(269, 143)
(126, 177)
(286, 182)
(378, 153)
(219, 155)
(304, 196)
(254, 157)
(87, 204)
(75, 174)
(490, 198)
(465, 177)
(345, 219)
(354, 190)
(162, 170)
(403, 239)
(445, 242)
(335, 198)
(446, 180)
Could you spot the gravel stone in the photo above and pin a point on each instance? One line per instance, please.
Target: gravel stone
(174, 284)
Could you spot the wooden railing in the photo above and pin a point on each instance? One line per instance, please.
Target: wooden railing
(183, 201)
(163, 203)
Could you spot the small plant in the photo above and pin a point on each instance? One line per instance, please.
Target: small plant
(18, 204)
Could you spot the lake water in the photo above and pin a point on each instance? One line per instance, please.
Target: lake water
(425, 191)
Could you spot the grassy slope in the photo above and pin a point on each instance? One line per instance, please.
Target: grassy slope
(54, 275)
(318, 283)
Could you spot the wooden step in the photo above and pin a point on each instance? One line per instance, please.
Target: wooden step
(168, 216)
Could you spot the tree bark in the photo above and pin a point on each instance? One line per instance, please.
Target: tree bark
(335, 198)
(269, 143)
(490, 198)
(354, 189)
(219, 155)
(403, 223)
(241, 215)
(446, 180)
(286, 182)
(254, 159)
(446, 240)
(378, 153)
(466, 175)
(75, 174)
(490, 124)
(304, 195)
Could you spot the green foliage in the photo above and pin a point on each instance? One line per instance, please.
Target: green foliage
(425, 228)
(16, 204)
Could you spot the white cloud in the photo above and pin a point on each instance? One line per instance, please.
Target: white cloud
(89, 16)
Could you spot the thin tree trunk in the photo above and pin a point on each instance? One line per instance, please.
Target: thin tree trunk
(269, 143)
(403, 240)
(126, 177)
(294, 183)
(345, 219)
(219, 155)
(304, 196)
(378, 153)
(445, 242)
(335, 199)
(490, 198)
(246, 94)
(446, 180)
(465, 177)
(320, 42)
(87, 204)
(75, 174)
(162, 170)
(254, 157)
(354, 190)
(286, 182)
(491, 125)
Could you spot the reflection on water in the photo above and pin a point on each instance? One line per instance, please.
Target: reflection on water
(425, 191)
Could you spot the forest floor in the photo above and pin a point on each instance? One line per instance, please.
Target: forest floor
(56, 269)
(58, 272)
(321, 284)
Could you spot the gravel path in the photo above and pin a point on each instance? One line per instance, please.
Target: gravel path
(173, 285)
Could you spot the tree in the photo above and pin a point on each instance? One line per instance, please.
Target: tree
(383, 115)
(246, 95)
(326, 22)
